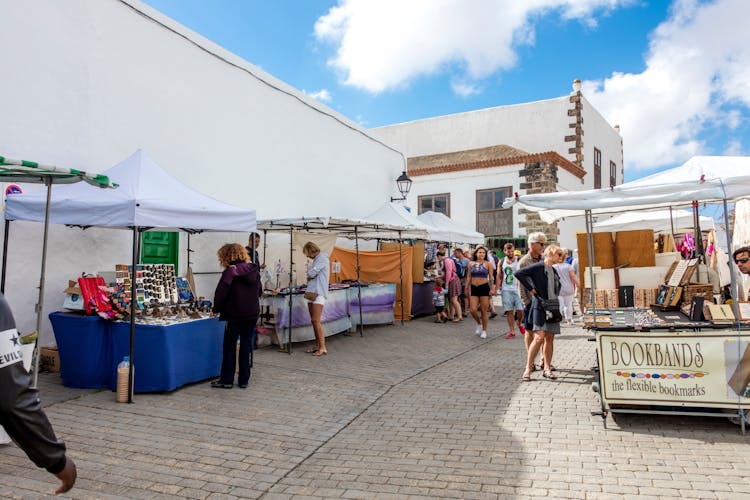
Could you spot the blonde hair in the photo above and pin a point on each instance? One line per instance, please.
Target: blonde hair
(553, 250)
(310, 249)
(232, 252)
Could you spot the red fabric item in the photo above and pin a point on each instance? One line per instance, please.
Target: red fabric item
(95, 296)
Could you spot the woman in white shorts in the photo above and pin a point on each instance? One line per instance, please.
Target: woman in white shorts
(317, 282)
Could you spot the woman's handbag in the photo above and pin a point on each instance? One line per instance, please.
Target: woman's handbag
(311, 296)
(551, 308)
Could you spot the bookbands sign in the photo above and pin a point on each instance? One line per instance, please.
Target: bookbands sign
(675, 369)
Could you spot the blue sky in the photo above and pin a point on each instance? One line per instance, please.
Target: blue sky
(675, 75)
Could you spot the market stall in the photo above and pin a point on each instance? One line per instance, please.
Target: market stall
(148, 199)
(302, 229)
(701, 179)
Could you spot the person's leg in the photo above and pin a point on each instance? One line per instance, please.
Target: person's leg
(229, 354)
(519, 319)
(456, 307)
(528, 337)
(474, 302)
(549, 340)
(245, 332)
(511, 321)
(484, 303)
(316, 311)
(567, 306)
(534, 346)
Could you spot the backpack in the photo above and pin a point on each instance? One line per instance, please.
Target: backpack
(460, 268)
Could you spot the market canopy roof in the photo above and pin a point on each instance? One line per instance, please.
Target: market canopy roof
(364, 229)
(38, 173)
(397, 215)
(446, 229)
(702, 178)
(147, 197)
(658, 220)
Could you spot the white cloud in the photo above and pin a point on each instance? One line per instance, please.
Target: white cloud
(697, 67)
(734, 148)
(321, 95)
(385, 44)
(464, 89)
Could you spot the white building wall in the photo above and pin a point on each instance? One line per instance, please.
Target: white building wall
(463, 187)
(87, 82)
(600, 134)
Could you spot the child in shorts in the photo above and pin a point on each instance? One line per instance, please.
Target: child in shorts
(438, 300)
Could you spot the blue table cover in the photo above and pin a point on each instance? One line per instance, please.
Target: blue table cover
(166, 357)
(84, 348)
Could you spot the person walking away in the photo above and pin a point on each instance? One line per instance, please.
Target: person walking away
(493, 260)
(21, 411)
(508, 285)
(453, 284)
(536, 242)
(438, 300)
(479, 288)
(318, 276)
(568, 285)
(237, 301)
(462, 264)
(542, 282)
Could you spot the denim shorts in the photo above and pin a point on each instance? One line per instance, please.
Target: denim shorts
(511, 300)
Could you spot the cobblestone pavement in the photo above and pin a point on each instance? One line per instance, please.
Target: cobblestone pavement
(423, 410)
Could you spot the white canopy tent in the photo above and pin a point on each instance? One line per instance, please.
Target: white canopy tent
(446, 229)
(714, 179)
(702, 178)
(661, 221)
(147, 198)
(397, 215)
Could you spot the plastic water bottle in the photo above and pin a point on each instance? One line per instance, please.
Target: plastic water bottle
(123, 372)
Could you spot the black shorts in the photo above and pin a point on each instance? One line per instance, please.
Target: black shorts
(480, 290)
(439, 309)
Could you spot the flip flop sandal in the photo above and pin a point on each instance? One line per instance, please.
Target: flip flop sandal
(548, 374)
(311, 350)
(320, 353)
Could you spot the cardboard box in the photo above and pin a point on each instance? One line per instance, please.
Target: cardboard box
(49, 359)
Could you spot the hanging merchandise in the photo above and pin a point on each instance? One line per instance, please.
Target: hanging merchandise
(95, 295)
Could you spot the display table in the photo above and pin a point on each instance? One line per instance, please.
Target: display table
(377, 303)
(166, 357)
(421, 299)
(335, 317)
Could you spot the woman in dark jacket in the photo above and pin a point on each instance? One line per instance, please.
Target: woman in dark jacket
(542, 282)
(237, 302)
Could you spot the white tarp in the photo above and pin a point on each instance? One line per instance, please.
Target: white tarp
(446, 229)
(661, 221)
(702, 178)
(147, 196)
(396, 215)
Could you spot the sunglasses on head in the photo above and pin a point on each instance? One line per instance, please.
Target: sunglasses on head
(741, 261)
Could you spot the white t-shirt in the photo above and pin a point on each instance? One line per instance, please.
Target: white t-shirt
(508, 278)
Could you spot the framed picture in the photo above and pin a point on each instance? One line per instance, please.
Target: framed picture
(662, 296)
(674, 295)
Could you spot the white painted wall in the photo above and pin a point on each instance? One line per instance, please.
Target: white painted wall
(87, 82)
(600, 134)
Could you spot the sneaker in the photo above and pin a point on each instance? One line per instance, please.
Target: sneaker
(522, 330)
(478, 330)
(493, 314)
(483, 335)
(510, 335)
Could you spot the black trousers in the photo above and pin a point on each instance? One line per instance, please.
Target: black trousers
(245, 330)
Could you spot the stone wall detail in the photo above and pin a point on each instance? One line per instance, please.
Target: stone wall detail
(536, 178)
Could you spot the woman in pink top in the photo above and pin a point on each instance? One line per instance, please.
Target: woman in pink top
(453, 284)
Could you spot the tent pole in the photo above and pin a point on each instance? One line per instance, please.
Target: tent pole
(265, 235)
(401, 274)
(133, 305)
(671, 223)
(5, 256)
(590, 246)
(359, 284)
(697, 233)
(40, 301)
(291, 297)
(735, 307)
